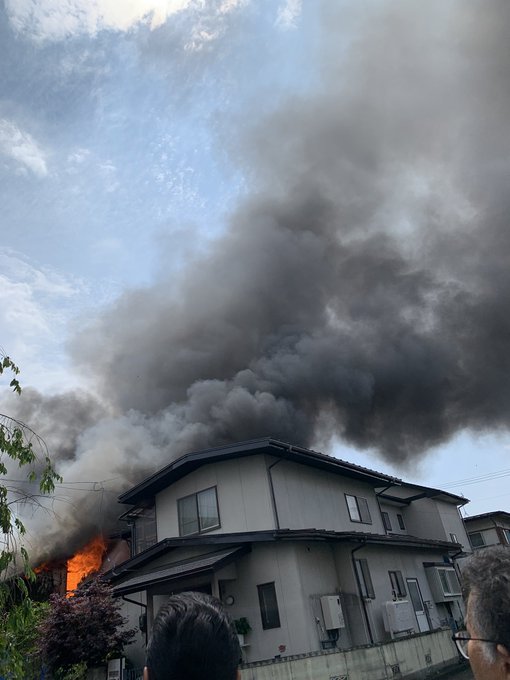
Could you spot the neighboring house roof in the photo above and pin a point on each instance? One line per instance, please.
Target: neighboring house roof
(191, 461)
(191, 567)
(236, 540)
(488, 515)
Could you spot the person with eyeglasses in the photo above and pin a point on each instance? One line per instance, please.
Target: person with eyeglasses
(486, 589)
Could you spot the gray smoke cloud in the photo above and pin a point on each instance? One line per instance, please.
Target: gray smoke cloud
(361, 291)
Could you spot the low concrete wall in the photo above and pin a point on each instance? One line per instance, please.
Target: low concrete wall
(418, 656)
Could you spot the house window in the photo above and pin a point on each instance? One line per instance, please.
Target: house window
(142, 521)
(477, 540)
(268, 606)
(198, 512)
(449, 581)
(506, 533)
(397, 583)
(400, 521)
(453, 538)
(364, 579)
(358, 509)
(386, 521)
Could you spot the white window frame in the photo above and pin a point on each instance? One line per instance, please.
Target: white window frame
(452, 587)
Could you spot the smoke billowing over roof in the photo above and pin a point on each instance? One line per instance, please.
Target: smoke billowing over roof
(362, 288)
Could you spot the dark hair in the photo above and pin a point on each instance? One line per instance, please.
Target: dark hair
(193, 638)
(486, 578)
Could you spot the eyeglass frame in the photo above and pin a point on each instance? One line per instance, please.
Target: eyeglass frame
(463, 636)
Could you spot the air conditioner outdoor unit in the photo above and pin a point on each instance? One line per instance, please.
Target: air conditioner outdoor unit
(398, 616)
(332, 612)
(443, 582)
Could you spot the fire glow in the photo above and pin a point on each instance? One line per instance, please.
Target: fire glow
(87, 561)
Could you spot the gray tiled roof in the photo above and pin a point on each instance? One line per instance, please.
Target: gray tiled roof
(177, 570)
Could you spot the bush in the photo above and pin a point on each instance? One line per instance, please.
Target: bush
(85, 629)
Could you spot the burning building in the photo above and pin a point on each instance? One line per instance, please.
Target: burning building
(63, 576)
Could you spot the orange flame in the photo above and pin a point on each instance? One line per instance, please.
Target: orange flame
(87, 561)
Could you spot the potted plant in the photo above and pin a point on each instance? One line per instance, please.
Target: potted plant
(242, 627)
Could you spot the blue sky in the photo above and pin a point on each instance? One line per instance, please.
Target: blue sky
(123, 155)
(112, 141)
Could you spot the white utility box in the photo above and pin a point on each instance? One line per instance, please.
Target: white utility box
(398, 616)
(332, 612)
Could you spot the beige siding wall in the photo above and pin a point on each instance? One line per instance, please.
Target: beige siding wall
(392, 511)
(309, 498)
(422, 519)
(270, 563)
(243, 496)
(452, 523)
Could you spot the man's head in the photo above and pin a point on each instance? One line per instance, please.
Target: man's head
(486, 587)
(192, 639)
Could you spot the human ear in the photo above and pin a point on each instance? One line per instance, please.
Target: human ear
(145, 673)
(504, 656)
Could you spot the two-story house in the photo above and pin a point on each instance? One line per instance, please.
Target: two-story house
(317, 553)
(490, 528)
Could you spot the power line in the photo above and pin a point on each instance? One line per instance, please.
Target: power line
(497, 474)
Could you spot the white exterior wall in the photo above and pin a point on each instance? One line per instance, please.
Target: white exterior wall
(244, 499)
(490, 535)
(305, 497)
(485, 525)
(452, 523)
(308, 498)
(393, 511)
(380, 561)
(302, 573)
(269, 563)
(422, 519)
(319, 576)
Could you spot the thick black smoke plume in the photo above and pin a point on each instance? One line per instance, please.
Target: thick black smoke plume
(362, 291)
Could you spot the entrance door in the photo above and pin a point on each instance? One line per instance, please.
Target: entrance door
(418, 606)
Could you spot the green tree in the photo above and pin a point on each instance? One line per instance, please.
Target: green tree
(19, 446)
(19, 630)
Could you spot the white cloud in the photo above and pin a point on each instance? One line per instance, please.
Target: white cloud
(288, 13)
(36, 305)
(108, 174)
(22, 148)
(59, 19)
(78, 156)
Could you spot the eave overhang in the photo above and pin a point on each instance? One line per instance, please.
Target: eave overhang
(236, 540)
(192, 567)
